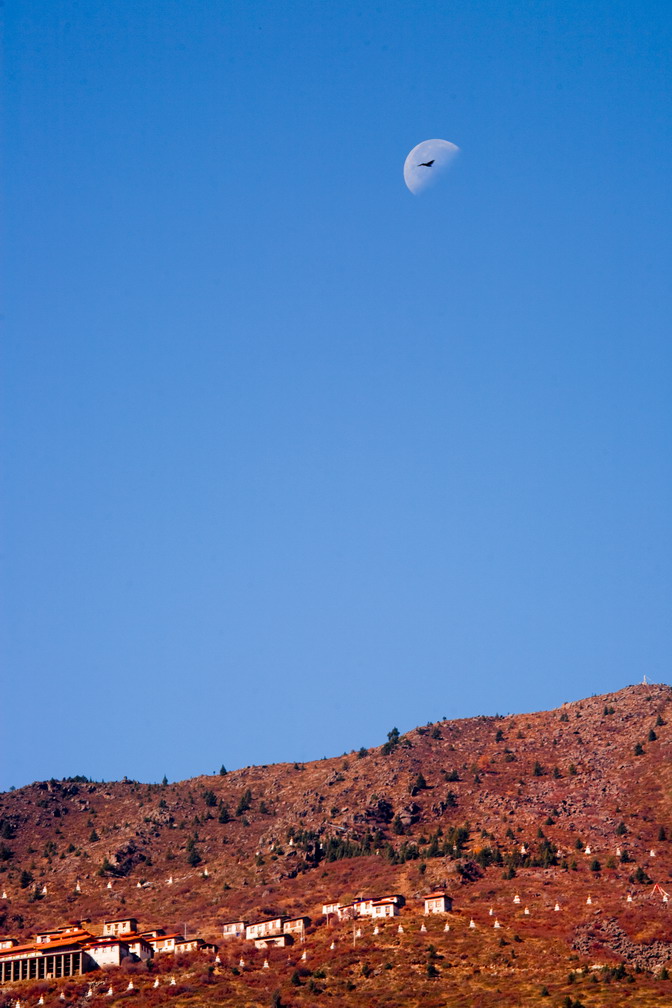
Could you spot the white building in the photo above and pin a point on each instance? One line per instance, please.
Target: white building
(234, 929)
(262, 929)
(386, 907)
(438, 902)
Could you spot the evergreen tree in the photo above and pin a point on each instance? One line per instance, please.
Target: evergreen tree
(244, 802)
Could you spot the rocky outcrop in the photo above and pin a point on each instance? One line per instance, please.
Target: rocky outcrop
(606, 935)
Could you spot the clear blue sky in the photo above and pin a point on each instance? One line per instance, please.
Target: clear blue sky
(292, 456)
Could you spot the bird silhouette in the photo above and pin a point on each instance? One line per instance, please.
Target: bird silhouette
(426, 164)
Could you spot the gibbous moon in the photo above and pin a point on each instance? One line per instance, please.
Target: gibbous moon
(427, 163)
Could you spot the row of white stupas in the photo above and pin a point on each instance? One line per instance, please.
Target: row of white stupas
(44, 889)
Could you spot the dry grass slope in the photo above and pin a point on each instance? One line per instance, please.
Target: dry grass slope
(492, 808)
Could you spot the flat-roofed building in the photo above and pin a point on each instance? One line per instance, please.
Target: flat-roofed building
(234, 929)
(385, 908)
(262, 929)
(120, 926)
(362, 906)
(274, 941)
(108, 950)
(438, 902)
(165, 942)
(188, 945)
(139, 947)
(296, 926)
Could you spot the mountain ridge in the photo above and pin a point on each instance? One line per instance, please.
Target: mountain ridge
(583, 789)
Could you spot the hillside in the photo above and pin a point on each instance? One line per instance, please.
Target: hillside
(490, 807)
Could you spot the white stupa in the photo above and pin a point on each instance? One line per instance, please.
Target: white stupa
(472, 924)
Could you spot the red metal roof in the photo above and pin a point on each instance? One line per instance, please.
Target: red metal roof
(46, 948)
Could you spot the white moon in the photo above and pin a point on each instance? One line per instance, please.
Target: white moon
(418, 173)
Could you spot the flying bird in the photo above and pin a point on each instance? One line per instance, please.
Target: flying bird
(434, 154)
